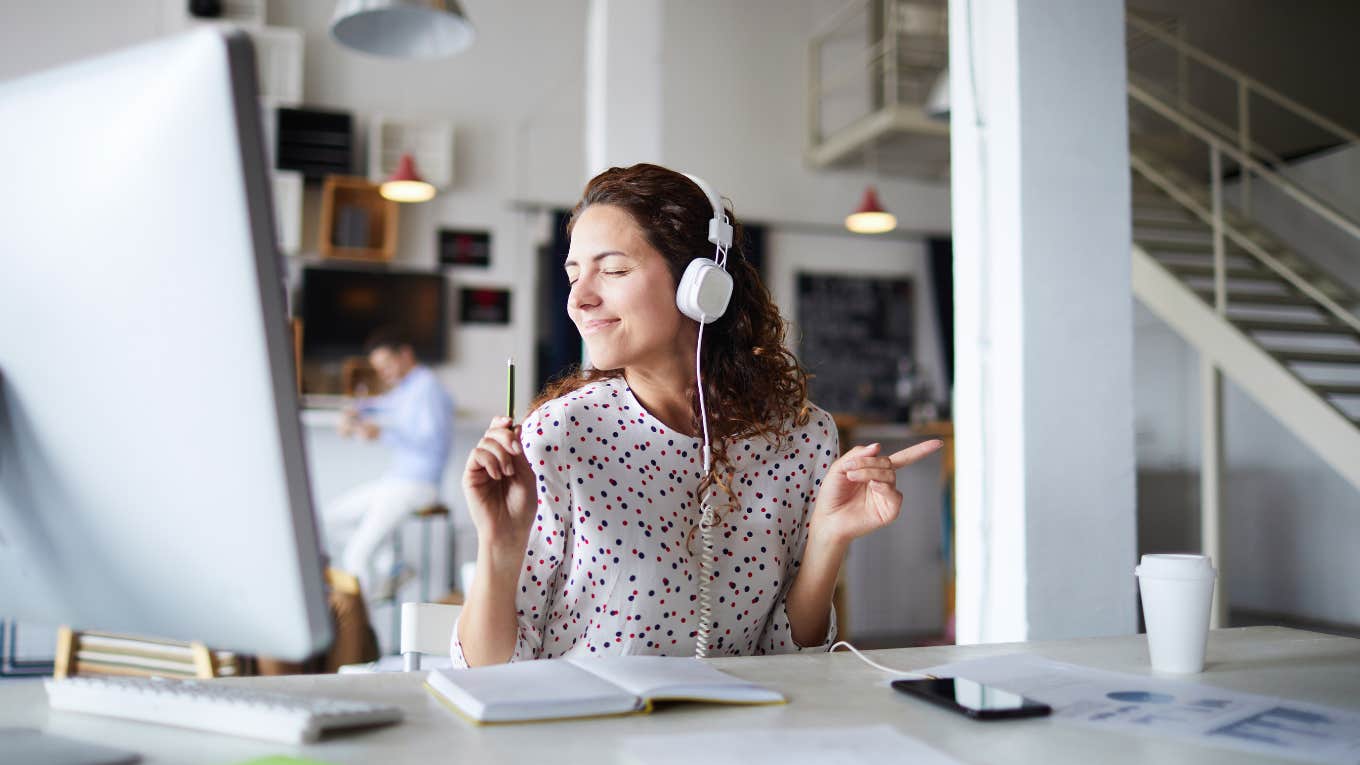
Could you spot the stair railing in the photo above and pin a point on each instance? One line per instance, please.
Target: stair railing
(1213, 214)
(1303, 197)
(1246, 88)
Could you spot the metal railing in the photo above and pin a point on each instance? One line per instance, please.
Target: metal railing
(874, 69)
(1213, 214)
(1246, 90)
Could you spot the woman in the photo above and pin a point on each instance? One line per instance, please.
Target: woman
(588, 513)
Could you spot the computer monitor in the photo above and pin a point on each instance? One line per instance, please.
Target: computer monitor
(152, 476)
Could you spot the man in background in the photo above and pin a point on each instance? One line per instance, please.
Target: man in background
(414, 419)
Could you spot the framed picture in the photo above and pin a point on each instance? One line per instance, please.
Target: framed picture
(483, 305)
(464, 248)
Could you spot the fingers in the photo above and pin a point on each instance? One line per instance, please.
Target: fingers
(849, 462)
(863, 450)
(501, 432)
(497, 453)
(483, 461)
(891, 497)
(876, 474)
(496, 450)
(913, 453)
(864, 463)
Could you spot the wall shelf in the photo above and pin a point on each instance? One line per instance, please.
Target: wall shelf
(429, 143)
(357, 223)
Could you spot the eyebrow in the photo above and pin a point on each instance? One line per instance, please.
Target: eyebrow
(569, 262)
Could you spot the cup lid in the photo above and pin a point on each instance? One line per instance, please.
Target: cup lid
(1176, 566)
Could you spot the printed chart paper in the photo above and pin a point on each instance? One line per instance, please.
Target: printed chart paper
(1183, 709)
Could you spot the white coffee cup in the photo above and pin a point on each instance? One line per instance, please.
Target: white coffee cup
(1177, 592)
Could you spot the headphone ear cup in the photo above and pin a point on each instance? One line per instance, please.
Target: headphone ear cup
(704, 291)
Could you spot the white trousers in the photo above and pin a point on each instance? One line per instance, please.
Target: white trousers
(366, 516)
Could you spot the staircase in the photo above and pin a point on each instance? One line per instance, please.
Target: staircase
(1267, 316)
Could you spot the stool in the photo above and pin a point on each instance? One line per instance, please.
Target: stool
(425, 515)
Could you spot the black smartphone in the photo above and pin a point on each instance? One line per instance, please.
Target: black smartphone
(978, 701)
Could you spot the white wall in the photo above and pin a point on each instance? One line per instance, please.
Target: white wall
(735, 107)
(39, 34)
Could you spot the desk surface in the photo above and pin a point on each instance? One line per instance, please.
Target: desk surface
(824, 690)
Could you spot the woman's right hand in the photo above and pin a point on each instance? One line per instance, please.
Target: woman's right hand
(499, 485)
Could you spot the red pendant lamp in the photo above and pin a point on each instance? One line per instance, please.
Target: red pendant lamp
(870, 218)
(405, 184)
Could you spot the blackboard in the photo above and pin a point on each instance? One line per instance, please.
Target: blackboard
(854, 332)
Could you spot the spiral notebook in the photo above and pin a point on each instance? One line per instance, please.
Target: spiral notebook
(552, 689)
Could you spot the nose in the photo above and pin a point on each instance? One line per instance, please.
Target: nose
(583, 294)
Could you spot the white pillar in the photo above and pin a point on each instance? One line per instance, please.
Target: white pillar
(1044, 328)
(623, 83)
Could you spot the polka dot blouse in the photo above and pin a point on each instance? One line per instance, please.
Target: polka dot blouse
(612, 565)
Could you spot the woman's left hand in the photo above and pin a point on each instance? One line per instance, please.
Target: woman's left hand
(859, 493)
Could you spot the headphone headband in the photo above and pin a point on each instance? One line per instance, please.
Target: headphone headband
(706, 287)
(719, 228)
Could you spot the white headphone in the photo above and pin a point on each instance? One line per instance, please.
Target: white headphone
(706, 287)
(703, 294)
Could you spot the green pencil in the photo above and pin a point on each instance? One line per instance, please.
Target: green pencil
(510, 389)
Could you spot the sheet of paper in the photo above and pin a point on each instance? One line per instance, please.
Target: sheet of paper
(808, 746)
(1181, 708)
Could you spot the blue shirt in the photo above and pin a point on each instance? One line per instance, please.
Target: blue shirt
(416, 418)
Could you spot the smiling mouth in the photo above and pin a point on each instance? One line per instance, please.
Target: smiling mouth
(591, 327)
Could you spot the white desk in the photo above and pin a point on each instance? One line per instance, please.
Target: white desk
(824, 690)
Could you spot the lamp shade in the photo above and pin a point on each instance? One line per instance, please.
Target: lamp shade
(421, 29)
(870, 218)
(406, 185)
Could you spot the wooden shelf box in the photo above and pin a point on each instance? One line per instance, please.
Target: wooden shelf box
(356, 222)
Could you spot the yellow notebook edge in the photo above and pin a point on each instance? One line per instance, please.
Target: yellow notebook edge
(452, 707)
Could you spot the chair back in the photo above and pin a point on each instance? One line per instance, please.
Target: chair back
(426, 628)
(103, 653)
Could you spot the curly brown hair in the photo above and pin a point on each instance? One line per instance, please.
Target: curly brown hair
(753, 385)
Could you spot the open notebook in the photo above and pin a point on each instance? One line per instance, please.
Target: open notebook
(550, 689)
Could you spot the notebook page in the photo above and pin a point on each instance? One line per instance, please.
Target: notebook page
(531, 690)
(668, 677)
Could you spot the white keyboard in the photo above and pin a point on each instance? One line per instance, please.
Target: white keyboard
(209, 706)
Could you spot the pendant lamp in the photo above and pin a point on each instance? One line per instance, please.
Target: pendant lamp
(422, 29)
(870, 218)
(406, 185)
